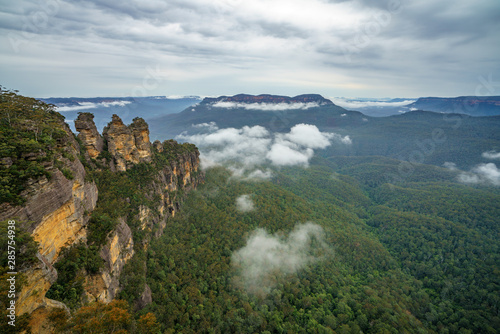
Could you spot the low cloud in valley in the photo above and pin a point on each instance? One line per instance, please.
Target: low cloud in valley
(244, 203)
(244, 150)
(265, 257)
(485, 174)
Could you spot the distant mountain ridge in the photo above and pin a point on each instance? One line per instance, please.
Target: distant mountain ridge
(398, 136)
(268, 98)
(470, 105)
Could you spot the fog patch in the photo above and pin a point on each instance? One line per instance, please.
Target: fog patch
(487, 174)
(450, 165)
(211, 126)
(244, 204)
(267, 258)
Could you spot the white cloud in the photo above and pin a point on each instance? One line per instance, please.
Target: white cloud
(243, 150)
(491, 155)
(244, 203)
(308, 136)
(234, 46)
(487, 174)
(258, 174)
(211, 126)
(92, 105)
(266, 106)
(354, 104)
(179, 97)
(450, 165)
(282, 155)
(266, 257)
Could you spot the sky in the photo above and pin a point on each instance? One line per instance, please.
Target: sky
(351, 48)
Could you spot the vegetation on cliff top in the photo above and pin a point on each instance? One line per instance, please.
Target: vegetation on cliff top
(32, 134)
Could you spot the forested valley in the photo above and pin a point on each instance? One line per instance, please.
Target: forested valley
(416, 257)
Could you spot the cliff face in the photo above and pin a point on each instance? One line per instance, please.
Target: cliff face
(58, 205)
(179, 175)
(118, 250)
(174, 172)
(128, 145)
(55, 213)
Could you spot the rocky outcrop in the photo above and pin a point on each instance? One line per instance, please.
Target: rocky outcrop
(140, 130)
(145, 299)
(39, 278)
(118, 250)
(128, 145)
(89, 135)
(179, 176)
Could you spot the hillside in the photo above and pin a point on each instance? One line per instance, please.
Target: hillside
(415, 257)
(278, 113)
(469, 105)
(91, 204)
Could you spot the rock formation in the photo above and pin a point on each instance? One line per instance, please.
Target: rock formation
(118, 250)
(128, 145)
(57, 208)
(89, 135)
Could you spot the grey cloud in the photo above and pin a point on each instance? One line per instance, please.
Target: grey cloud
(209, 41)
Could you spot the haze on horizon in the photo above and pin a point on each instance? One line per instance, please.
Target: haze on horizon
(393, 48)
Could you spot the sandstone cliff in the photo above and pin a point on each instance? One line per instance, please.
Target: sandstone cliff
(118, 250)
(128, 145)
(58, 203)
(55, 212)
(89, 135)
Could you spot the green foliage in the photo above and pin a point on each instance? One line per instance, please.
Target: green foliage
(72, 266)
(31, 132)
(22, 241)
(171, 152)
(421, 256)
(97, 317)
(67, 173)
(99, 227)
(132, 278)
(195, 288)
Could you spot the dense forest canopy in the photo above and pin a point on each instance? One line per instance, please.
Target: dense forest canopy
(422, 257)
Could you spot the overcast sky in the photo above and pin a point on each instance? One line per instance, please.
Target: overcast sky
(357, 48)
